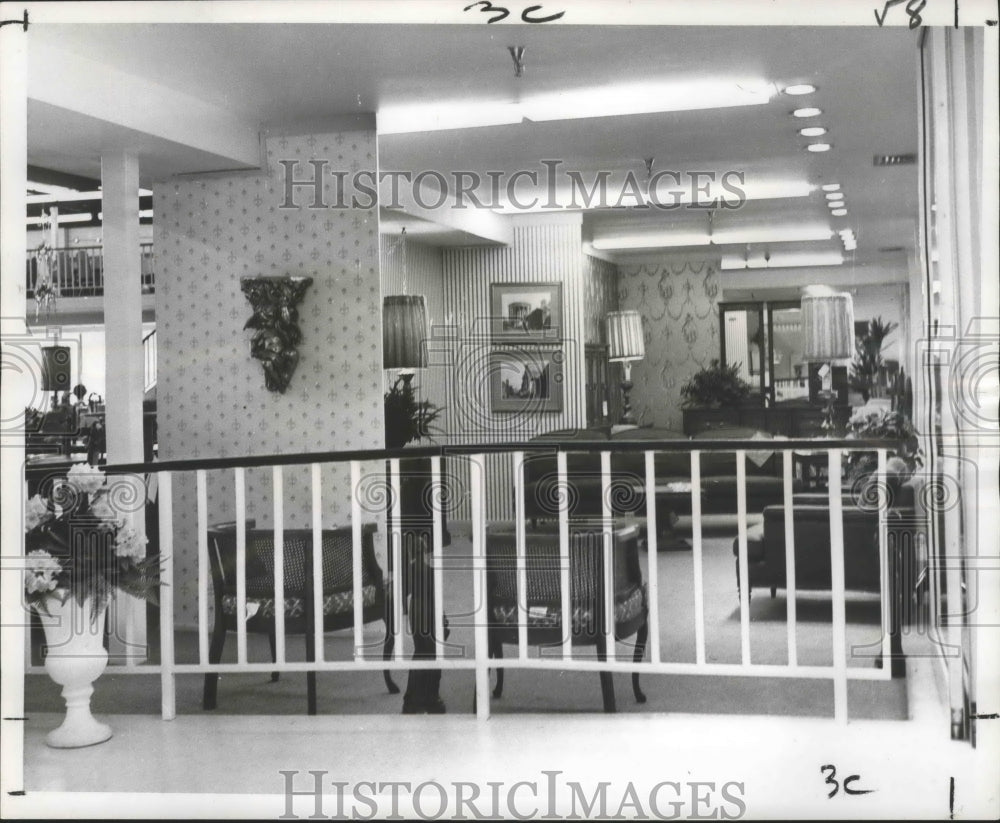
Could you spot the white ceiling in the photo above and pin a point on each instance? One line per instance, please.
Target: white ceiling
(268, 77)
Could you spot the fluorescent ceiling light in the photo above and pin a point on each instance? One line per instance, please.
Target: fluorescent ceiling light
(48, 189)
(68, 197)
(647, 98)
(597, 101)
(800, 88)
(818, 147)
(839, 212)
(63, 218)
(807, 112)
(830, 186)
(651, 240)
(771, 234)
(812, 131)
(780, 260)
(438, 116)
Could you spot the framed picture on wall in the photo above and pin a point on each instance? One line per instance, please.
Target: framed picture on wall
(526, 378)
(526, 311)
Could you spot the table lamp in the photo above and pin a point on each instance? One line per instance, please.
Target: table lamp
(625, 344)
(828, 326)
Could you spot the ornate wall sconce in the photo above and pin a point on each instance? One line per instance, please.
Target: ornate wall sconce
(276, 319)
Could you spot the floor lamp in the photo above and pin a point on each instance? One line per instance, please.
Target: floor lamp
(625, 344)
(828, 325)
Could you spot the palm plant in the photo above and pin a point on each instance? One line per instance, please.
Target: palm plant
(868, 360)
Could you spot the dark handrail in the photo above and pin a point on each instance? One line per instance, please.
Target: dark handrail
(627, 446)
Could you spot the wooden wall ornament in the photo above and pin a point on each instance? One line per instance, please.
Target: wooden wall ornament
(276, 320)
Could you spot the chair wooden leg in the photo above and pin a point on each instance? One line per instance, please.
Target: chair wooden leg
(211, 689)
(496, 651)
(607, 683)
(390, 643)
(272, 639)
(642, 635)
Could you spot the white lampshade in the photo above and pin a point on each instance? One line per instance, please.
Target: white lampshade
(625, 341)
(828, 326)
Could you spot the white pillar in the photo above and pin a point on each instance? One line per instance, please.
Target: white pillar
(123, 359)
(18, 386)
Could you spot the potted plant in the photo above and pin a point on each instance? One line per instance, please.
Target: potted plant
(79, 553)
(876, 424)
(868, 362)
(715, 386)
(406, 418)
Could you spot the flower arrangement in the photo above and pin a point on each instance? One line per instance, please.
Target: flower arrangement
(406, 418)
(78, 546)
(715, 385)
(878, 423)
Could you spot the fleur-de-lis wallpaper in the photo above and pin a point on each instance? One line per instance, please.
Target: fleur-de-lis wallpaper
(679, 302)
(210, 232)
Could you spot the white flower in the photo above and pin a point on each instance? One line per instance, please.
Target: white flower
(85, 478)
(40, 572)
(36, 512)
(129, 544)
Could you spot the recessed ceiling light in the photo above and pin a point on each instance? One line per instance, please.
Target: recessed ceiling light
(818, 147)
(834, 195)
(800, 88)
(839, 212)
(836, 204)
(807, 112)
(830, 186)
(812, 131)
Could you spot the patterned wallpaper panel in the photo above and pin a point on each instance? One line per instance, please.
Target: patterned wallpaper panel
(679, 305)
(211, 231)
(600, 285)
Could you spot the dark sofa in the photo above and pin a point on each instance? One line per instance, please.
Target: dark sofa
(628, 473)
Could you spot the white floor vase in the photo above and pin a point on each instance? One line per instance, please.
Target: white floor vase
(76, 657)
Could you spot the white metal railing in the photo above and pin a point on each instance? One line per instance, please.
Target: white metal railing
(477, 658)
(78, 271)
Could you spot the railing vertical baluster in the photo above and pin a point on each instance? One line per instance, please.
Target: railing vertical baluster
(564, 558)
(168, 682)
(837, 586)
(890, 619)
(437, 497)
(652, 559)
(396, 553)
(477, 485)
(786, 479)
(357, 583)
(741, 515)
(239, 480)
(317, 560)
(607, 557)
(278, 492)
(201, 492)
(520, 558)
(697, 559)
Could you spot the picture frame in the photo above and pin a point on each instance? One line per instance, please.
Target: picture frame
(526, 311)
(526, 378)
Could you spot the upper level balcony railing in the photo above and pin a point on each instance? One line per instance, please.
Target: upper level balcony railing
(79, 271)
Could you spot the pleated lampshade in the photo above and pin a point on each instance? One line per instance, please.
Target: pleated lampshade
(625, 341)
(828, 326)
(404, 332)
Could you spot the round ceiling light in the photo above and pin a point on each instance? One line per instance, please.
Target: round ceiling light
(836, 204)
(812, 131)
(839, 212)
(800, 88)
(830, 186)
(834, 195)
(818, 147)
(807, 112)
